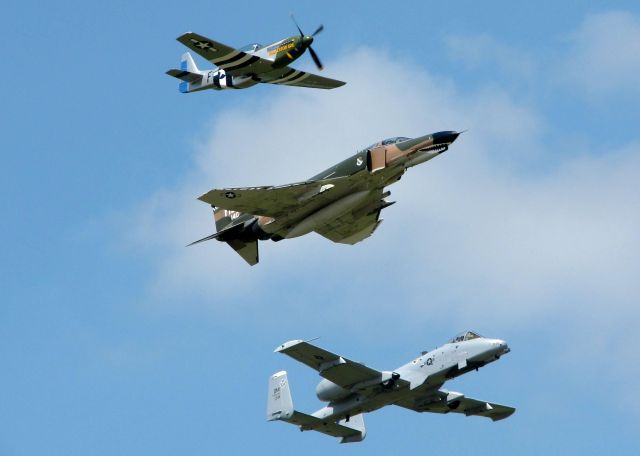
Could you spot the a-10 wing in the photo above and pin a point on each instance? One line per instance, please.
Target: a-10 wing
(335, 368)
(444, 401)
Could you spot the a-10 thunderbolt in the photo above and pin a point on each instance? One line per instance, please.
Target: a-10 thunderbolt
(250, 65)
(342, 203)
(352, 389)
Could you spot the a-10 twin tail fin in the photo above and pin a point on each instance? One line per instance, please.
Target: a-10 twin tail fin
(280, 407)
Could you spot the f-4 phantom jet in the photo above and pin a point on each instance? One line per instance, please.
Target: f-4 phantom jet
(250, 65)
(342, 203)
(352, 389)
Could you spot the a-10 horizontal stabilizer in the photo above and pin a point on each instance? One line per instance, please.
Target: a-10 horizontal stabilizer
(347, 431)
(280, 407)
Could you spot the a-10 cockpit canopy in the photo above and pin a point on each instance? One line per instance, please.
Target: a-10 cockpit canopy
(253, 47)
(466, 335)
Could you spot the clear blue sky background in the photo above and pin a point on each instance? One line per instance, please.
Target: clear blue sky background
(115, 339)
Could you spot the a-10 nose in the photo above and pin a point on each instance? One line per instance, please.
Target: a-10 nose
(445, 137)
(504, 348)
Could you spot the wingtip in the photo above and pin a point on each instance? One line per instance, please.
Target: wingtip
(287, 344)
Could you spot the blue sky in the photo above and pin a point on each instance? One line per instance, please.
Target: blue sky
(115, 339)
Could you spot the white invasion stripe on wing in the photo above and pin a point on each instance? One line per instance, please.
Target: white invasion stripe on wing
(235, 62)
(301, 78)
(291, 76)
(228, 56)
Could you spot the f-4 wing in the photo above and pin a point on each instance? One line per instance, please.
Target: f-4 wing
(335, 368)
(277, 201)
(444, 401)
(357, 225)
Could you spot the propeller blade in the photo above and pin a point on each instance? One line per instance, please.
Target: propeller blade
(318, 30)
(315, 58)
(294, 21)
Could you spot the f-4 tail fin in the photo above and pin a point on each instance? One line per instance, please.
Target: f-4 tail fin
(280, 408)
(230, 226)
(228, 220)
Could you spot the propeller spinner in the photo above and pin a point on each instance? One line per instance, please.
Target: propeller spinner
(307, 40)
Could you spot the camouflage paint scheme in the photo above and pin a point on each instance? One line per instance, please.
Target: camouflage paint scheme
(253, 64)
(352, 389)
(342, 203)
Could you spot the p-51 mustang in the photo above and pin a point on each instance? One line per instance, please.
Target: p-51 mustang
(342, 203)
(246, 67)
(352, 389)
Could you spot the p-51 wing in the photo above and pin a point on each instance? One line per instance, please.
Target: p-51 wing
(236, 62)
(444, 401)
(335, 368)
(233, 61)
(292, 77)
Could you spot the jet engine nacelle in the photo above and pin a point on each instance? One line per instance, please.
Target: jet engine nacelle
(328, 391)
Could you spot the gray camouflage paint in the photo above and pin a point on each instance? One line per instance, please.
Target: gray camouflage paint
(415, 385)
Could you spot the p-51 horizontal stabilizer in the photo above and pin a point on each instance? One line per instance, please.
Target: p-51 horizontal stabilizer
(185, 75)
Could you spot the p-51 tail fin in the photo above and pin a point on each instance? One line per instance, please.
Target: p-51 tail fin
(188, 73)
(280, 408)
(188, 64)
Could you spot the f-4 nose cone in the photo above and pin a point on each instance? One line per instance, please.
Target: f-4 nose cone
(445, 137)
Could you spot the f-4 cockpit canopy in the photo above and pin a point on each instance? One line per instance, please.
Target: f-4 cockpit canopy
(386, 142)
(397, 139)
(466, 335)
(253, 47)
